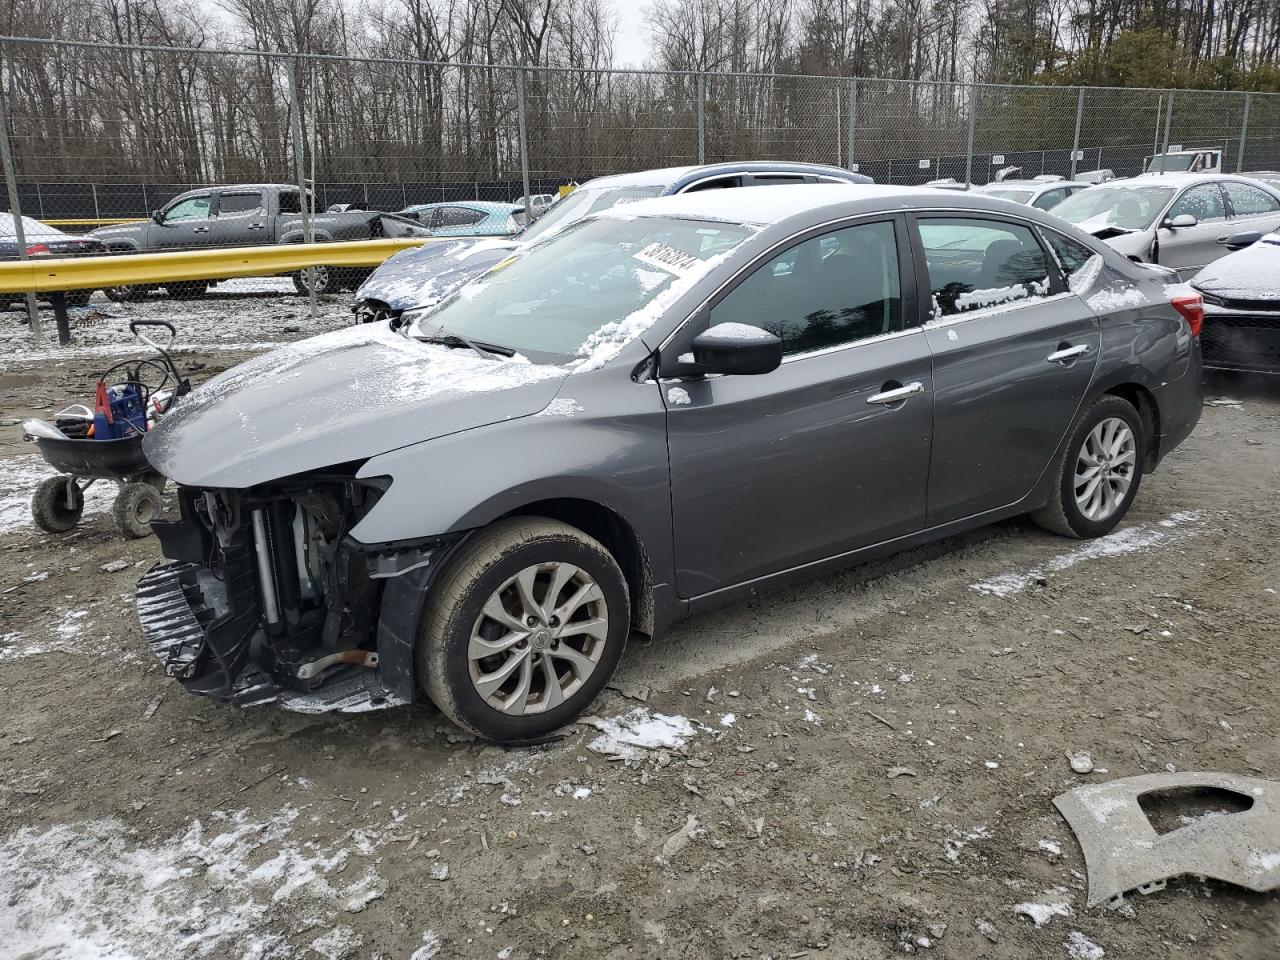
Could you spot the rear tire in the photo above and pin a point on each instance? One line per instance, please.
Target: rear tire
(135, 506)
(49, 507)
(324, 279)
(126, 294)
(1098, 473)
(553, 654)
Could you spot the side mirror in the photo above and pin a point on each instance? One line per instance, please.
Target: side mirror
(1181, 220)
(737, 349)
(1245, 238)
(157, 216)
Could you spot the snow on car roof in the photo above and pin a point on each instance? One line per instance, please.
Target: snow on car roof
(1172, 179)
(767, 205)
(666, 176)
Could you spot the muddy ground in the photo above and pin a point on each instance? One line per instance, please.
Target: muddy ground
(854, 768)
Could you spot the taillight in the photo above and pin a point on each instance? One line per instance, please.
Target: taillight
(38, 250)
(1191, 306)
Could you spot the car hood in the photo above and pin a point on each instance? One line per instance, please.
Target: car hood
(335, 398)
(132, 231)
(1249, 274)
(421, 277)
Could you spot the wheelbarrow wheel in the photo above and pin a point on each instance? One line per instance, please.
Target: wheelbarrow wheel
(136, 505)
(57, 504)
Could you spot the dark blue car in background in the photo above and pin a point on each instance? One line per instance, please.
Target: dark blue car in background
(422, 276)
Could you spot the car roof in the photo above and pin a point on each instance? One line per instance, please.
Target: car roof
(488, 206)
(1173, 179)
(816, 203)
(1033, 184)
(673, 178)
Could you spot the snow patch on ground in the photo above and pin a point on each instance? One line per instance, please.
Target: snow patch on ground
(101, 890)
(19, 477)
(1051, 904)
(633, 734)
(1129, 540)
(247, 314)
(1080, 947)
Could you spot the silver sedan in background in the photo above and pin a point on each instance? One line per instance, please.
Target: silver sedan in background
(1182, 221)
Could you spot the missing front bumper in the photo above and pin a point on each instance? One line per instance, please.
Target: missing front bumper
(180, 604)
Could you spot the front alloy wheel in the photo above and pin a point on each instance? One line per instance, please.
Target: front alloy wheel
(538, 639)
(523, 628)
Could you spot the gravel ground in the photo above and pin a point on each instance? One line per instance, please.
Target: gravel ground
(857, 767)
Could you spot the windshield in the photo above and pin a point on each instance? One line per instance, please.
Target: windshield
(1172, 162)
(1017, 196)
(1131, 208)
(585, 292)
(583, 201)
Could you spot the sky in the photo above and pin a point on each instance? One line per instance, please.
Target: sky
(631, 45)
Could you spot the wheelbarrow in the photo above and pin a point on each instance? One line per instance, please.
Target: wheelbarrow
(106, 444)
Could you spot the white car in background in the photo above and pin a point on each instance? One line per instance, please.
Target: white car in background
(1178, 220)
(1043, 193)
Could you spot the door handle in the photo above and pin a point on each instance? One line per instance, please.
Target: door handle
(1223, 239)
(1065, 354)
(257, 226)
(897, 394)
(200, 230)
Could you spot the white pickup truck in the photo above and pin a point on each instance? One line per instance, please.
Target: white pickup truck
(1189, 160)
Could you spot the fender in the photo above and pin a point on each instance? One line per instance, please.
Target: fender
(298, 235)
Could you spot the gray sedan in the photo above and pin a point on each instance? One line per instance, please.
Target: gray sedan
(666, 406)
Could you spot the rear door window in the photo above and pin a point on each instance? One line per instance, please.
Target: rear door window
(239, 204)
(777, 179)
(715, 183)
(1071, 256)
(823, 292)
(459, 216)
(975, 264)
(1249, 201)
(1050, 198)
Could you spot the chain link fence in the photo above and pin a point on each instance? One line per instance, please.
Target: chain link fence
(100, 133)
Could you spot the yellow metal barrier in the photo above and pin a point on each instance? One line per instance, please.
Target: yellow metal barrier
(47, 274)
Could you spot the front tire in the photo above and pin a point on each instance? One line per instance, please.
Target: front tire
(1098, 473)
(523, 630)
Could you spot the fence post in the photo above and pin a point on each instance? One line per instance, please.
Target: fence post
(523, 131)
(853, 123)
(1244, 131)
(968, 148)
(1168, 119)
(97, 213)
(1075, 141)
(15, 210)
(295, 135)
(702, 119)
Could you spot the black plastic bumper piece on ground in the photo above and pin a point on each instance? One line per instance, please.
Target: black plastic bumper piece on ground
(174, 616)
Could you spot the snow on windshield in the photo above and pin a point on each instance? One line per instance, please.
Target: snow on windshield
(30, 228)
(580, 296)
(1130, 208)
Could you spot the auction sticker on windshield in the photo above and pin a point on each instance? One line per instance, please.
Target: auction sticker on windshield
(658, 254)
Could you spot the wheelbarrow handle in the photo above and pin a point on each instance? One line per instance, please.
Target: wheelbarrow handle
(135, 324)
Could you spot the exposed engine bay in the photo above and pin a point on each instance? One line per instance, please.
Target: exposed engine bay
(264, 597)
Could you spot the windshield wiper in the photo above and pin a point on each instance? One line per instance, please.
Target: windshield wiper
(488, 351)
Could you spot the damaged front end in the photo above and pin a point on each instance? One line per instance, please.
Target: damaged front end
(264, 597)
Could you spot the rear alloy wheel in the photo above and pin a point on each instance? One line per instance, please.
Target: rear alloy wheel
(1099, 472)
(524, 629)
(323, 279)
